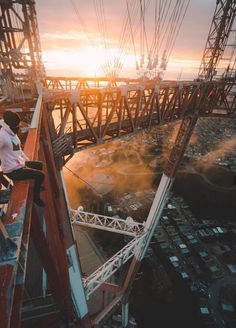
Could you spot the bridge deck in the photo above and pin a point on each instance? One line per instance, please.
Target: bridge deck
(82, 115)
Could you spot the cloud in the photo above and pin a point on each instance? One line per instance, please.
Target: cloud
(64, 28)
(70, 35)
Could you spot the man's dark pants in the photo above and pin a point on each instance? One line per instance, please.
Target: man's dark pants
(32, 170)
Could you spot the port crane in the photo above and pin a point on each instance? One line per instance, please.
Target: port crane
(91, 111)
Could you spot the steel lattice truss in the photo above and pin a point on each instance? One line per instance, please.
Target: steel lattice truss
(75, 113)
(103, 273)
(20, 50)
(126, 227)
(92, 116)
(217, 39)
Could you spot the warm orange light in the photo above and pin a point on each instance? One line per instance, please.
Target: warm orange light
(90, 61)
(86, 61)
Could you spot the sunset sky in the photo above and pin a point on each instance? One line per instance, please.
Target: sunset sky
(74, 48)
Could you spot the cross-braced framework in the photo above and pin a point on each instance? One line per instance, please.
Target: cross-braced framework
(220, 29)
(91, 111)
(127, 227)
(96, 115)
(20, 50)
(103, 273)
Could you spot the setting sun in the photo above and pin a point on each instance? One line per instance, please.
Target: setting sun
(88, 61)
(91, 61)
(86, 44)
(117, 163)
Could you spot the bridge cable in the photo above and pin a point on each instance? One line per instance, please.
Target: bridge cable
(179, 14)
(126, 38)
(132, 34)
(79, 177)
(102, 28)
(125, 46)
(81, 21)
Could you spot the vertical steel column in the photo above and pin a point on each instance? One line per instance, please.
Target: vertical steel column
(49, 263)
(19, 31)
(71, 263)
(100, 98)
(161, 197)
(220, 29)
(55, 235)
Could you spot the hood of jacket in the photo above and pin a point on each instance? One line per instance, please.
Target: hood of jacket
(6, 128)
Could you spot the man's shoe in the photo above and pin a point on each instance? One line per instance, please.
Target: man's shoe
(39, 202)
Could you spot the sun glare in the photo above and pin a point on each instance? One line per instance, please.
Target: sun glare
(89, 61)
(86, 61)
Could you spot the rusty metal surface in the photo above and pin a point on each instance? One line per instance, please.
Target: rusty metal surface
(98, 110)
(91, 116)
(221, 26)
(17, 222)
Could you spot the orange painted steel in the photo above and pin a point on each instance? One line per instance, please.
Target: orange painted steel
(47, 255)
(101, 110)
(56, 238)
(17, 222)
(90, 116)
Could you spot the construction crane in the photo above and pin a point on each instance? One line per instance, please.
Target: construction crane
(91, 111)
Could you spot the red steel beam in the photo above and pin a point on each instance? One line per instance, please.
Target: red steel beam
(59, 226)
(55, 219)
(110, 115)
(17, 223)
(21, 269)
(54, 180)
(55, 242)
(108, 310)
(47, 257)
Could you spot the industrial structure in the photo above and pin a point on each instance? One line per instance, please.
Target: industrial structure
(66, 115)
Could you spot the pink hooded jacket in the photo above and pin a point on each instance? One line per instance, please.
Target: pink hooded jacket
(11, 155)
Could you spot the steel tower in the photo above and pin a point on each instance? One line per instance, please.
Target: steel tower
(89, 115)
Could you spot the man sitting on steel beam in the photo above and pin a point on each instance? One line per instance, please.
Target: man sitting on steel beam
(15, 164)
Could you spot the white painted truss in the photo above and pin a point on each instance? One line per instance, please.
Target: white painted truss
(103, 273)
(126, 227)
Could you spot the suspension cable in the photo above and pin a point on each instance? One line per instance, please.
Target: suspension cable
(78, 177)
(178, 29)
(168, 18)
(132, 34)
(81, 21)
